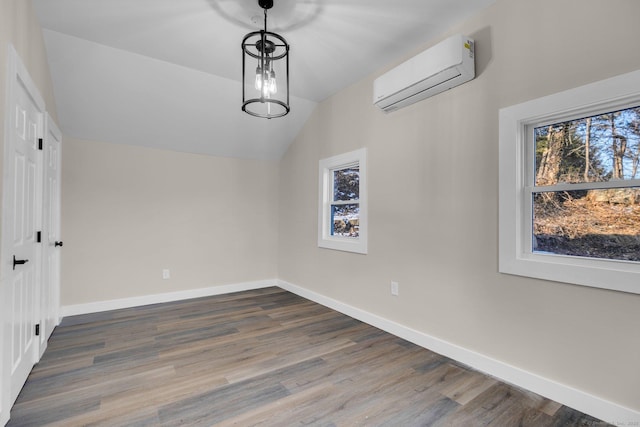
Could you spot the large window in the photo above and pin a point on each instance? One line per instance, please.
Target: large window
(585, 197)
(342, 219)
(570, 186)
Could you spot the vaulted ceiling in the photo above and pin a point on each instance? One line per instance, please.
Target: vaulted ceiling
(167, 73)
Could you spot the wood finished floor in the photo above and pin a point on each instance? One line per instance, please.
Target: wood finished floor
(265, 357)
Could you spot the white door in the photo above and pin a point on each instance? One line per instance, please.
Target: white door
(51, 243)
(22, 198)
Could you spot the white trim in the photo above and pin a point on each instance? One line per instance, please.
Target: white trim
(566, 395)
(325, 199)
(51, 130)
(515, 254)
(98, 306)
(627, 183)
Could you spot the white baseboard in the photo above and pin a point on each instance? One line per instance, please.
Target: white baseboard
(95, 307)
(571, 397)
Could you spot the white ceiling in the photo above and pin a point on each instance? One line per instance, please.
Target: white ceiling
(167, 73)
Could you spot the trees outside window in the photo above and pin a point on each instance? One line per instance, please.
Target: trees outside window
(588, 222)
(345, 205)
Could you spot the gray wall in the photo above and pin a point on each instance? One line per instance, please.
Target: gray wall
(129, 212)
(433, 200)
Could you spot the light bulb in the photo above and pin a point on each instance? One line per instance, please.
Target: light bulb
(273, 86)
(258, 84)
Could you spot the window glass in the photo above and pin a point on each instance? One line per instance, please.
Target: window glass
(599, 148)
(345, 217)
(346, 184)
(345, 220)
(588, 222)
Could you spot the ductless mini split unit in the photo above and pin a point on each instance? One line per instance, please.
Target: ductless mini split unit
(441, 67)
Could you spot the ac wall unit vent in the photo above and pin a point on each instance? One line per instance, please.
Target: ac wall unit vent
(441, 67)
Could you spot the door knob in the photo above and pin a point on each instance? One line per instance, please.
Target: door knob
(58, 244)
(18, 262)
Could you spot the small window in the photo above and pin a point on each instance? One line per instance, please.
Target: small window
(342, 220)
(570, 186)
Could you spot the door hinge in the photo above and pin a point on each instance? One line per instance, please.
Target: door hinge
(39, 237)
(39, 143)
(38, 330)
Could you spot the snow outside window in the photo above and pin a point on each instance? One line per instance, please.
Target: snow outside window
(570, 186)
(342, 212)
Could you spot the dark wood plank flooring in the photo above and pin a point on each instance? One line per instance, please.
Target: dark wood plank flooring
(264, 357)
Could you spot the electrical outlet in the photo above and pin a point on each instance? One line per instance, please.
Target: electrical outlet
(166, 274)
(395, 288)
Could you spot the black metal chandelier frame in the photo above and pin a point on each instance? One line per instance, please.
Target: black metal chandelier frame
(267, 48)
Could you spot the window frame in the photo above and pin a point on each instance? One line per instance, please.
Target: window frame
(516, 160)
(325, 202)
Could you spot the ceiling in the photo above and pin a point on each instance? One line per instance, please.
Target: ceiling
(167, 73)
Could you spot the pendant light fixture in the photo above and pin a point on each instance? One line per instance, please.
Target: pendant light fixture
(265, 71)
